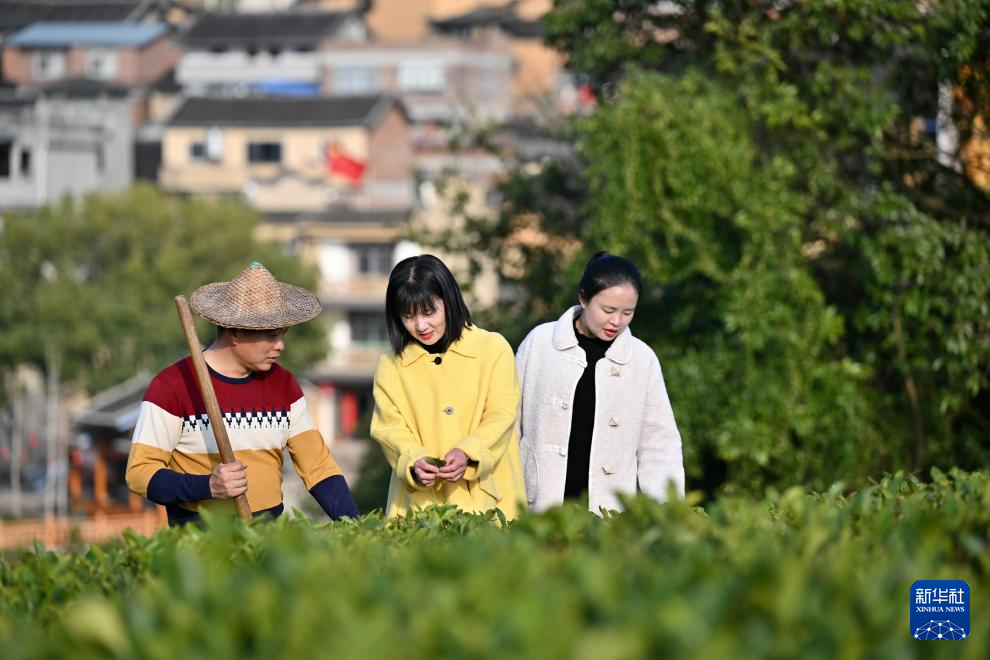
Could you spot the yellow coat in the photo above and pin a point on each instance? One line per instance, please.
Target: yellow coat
(469, 401)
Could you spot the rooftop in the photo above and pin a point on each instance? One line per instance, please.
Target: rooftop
(15, 103)
(503, 17)
(167, 84)
(61, 34)
(340, 214)
(17, 14)
(282, 29)
(115, 409)
(78, 87)
(282, 111)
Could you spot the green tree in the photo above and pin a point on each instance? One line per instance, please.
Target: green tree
(530, 240)
(740, 323)
(818, 265)
(92, 282)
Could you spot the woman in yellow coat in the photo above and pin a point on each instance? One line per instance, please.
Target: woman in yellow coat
(447, 391)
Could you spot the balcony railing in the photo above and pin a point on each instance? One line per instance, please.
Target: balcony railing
(361, 289)
(355, 363)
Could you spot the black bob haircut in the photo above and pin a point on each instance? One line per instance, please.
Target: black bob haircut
(413, 286)
(606, 270)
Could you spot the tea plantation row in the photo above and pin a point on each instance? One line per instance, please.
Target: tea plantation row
(797, 575)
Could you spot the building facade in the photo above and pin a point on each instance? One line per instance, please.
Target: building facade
(333, 178)
(57, 142)
(124, 54)
(439, 80)
(262, 53)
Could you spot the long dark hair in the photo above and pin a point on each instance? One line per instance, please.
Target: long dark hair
(413, 286)
(606, 270)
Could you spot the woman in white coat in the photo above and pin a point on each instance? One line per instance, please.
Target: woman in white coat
(595, 420)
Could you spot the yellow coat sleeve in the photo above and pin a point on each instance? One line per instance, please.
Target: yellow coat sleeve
(487, 443)
(389, 427)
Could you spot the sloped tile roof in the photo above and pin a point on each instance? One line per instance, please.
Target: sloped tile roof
(282, 111)
(503, 17)
(83, 87)
(282, 29)
(17, 14)
(62, 34)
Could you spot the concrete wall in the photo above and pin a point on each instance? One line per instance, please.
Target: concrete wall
(390, 155)
(77, 146)
(475, 77)
(200, 71)
(302, 154)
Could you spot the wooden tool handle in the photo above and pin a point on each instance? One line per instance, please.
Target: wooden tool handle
(209, 397)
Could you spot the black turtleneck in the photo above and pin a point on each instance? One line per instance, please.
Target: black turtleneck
(433, 349)
(583, 418)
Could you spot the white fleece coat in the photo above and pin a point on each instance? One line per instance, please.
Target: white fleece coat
(635, 442)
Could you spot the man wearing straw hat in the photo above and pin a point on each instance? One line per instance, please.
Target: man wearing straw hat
(173, 459)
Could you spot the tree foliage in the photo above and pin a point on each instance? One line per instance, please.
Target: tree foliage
(740, 322)
(817, 256)
(533, 233)
(94, 280)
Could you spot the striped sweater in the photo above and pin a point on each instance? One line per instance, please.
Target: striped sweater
(174, 450)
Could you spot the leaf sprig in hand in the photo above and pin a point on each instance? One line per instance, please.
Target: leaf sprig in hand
(439, 462)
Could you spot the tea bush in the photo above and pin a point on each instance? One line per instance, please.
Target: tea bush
(796, 575)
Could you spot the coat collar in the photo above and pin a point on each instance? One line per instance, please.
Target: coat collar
(563, 338)
(469, 345)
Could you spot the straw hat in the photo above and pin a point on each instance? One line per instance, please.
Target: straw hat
(255, 300)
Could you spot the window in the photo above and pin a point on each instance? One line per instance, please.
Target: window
(101, 63)
(422, 77)
(264, 152)
(5, 151)
(373, 258)
(49, 64)
(25, 162)
(354, 80)
(209, 149)
(367, 327)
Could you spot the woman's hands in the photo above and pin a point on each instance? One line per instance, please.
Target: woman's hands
(425, 472)
(455, 464)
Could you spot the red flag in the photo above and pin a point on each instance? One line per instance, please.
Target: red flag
(343, 165)
(586, 96)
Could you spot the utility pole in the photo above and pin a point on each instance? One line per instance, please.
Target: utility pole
(16, 444)
(43, 114)
(51, 431)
